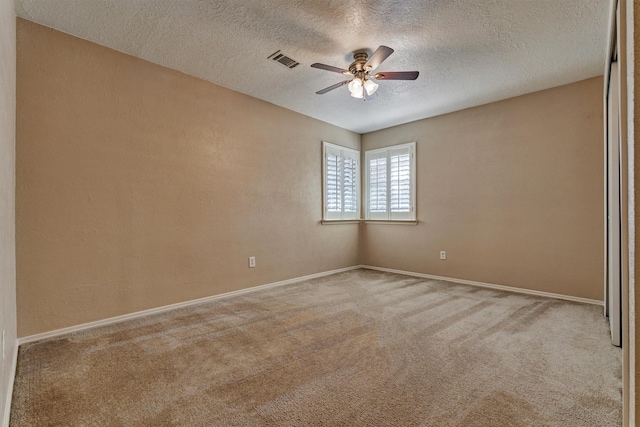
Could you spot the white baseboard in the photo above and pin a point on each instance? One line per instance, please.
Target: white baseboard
(143, 313)
(488, 285)
(12, 378)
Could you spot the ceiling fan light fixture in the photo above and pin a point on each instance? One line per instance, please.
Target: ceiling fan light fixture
(370, 86)
(358, 93)
(356, 88)
(355, 85)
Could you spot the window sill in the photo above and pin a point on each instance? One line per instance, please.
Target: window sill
(369, 221)
(394, 222)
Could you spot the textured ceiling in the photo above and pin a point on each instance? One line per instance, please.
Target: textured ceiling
(468, 52)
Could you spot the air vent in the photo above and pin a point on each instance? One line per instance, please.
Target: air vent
(284, 60)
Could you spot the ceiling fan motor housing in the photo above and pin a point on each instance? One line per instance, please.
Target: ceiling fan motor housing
(357, 66)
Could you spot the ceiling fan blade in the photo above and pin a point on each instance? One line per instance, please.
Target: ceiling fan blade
(330, 68)
(332, 87)
(397, 75)
(378, 57)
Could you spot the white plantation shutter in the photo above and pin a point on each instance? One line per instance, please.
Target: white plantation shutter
(341, 182)
(333, 196)
(350, 185)
(377, 168)
(400, 180)
(391, 182)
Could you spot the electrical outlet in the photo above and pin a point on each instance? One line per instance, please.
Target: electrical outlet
(252, 261)
(443, 254)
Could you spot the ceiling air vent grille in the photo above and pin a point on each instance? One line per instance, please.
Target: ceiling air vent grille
(284, 60)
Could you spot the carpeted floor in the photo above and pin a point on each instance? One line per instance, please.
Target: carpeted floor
(360, 348)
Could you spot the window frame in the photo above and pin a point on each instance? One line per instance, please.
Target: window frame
(343, 153)
(387, 152)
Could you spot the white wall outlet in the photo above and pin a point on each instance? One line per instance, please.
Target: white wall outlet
(443, 254)
(252, 261)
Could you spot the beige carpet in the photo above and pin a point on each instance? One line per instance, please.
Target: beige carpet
(360, 348)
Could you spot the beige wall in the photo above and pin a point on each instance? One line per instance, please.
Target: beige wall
(7, 194)
(138, 186)
(513, 191)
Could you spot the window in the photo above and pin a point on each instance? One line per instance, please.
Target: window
(391, 182)
(341, 167)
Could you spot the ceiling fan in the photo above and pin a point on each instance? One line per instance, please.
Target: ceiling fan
(361, 85)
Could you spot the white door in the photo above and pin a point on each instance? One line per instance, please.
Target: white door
(613, 209)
